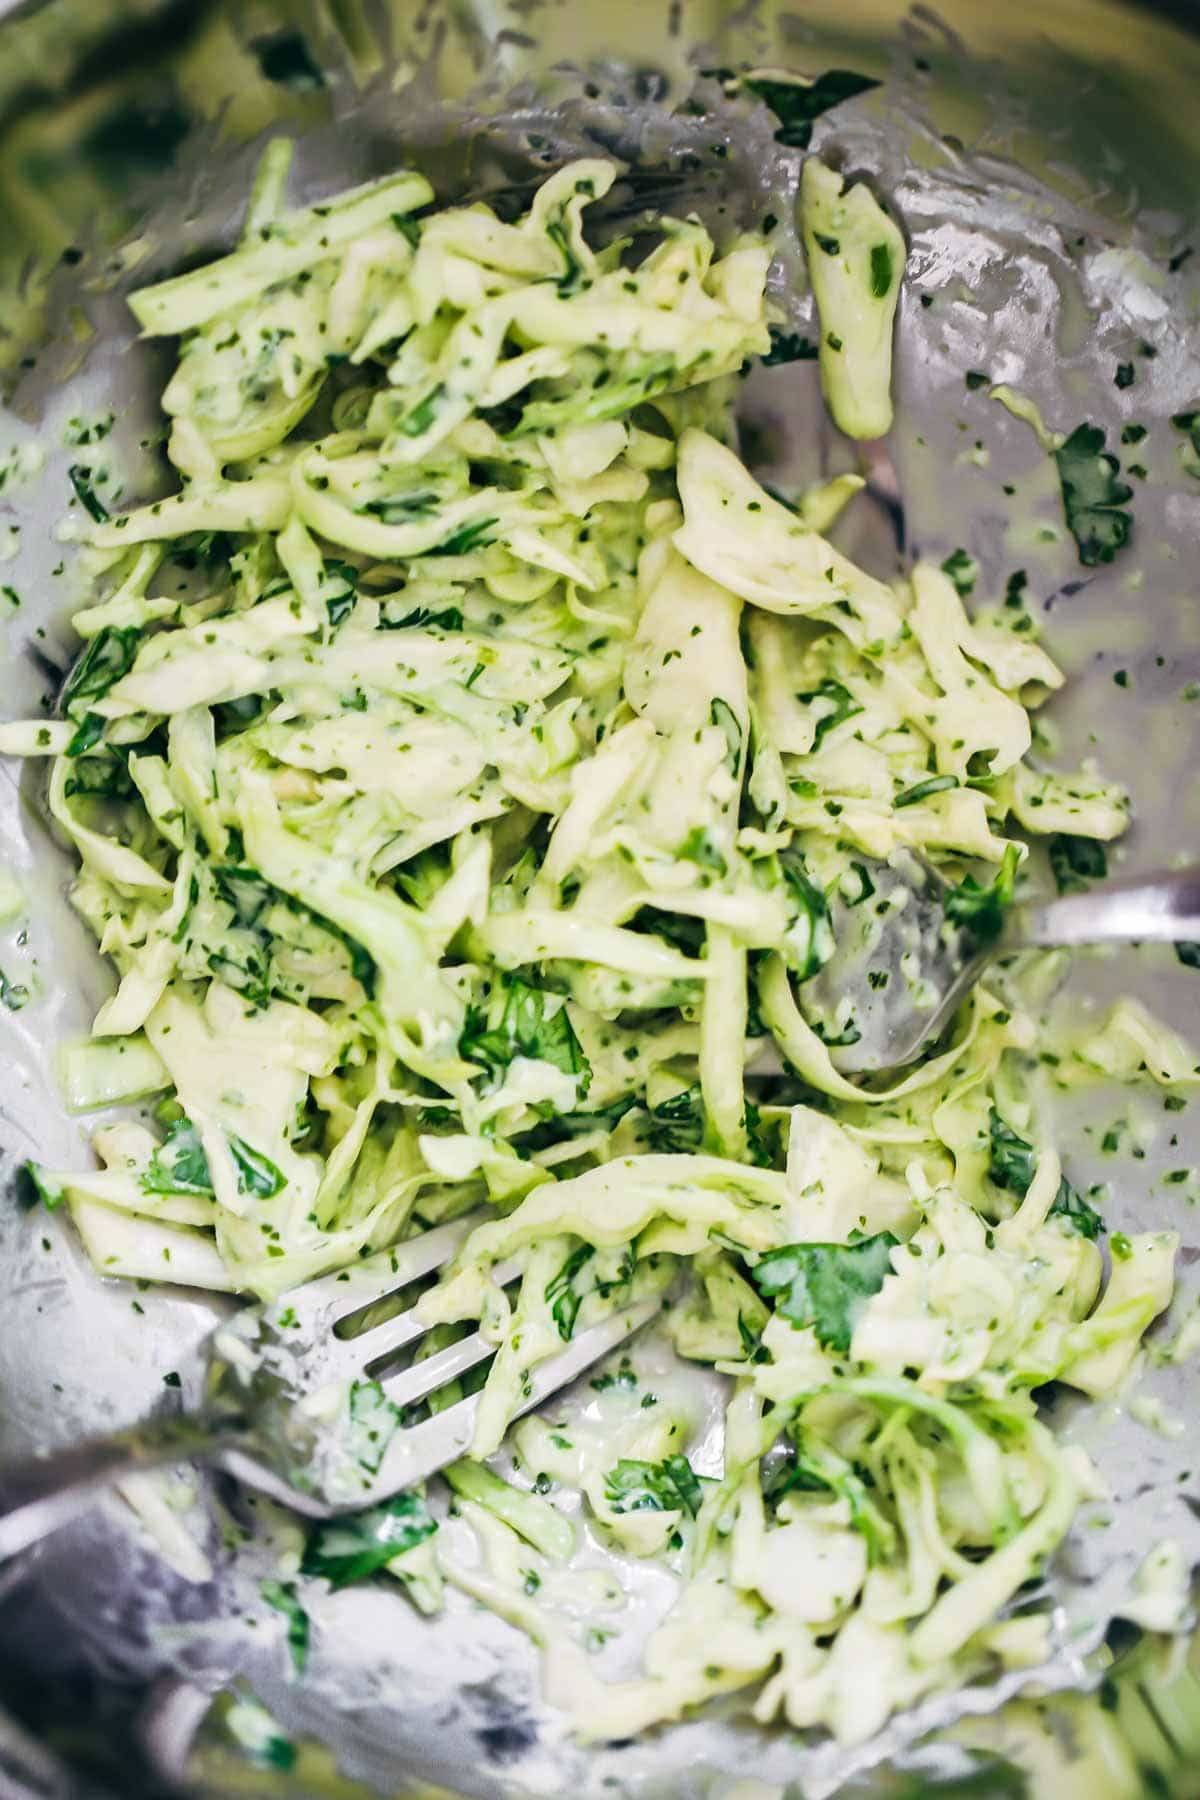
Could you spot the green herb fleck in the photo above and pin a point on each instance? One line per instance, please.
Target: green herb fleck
(963, 571)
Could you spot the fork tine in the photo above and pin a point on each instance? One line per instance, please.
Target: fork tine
(332, 1297)
(390, 1335)
(425, 1377)
(422, 1450)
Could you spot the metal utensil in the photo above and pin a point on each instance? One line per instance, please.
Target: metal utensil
(278, 1381)
(903, 964)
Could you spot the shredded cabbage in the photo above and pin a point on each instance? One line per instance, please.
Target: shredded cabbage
(459, 768)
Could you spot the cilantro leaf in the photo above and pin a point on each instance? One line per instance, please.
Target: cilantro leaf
(563, 1295)
(721, 714)
(201, 549)
(247, 973)
(81, 480)
(520, 1020)
(283, 1597)
(467, 538)
(963, 571)
(811, 1466)
(449, 619)
(355, 1547)
(825, 1285)
(418, 421)
(108, 656)
(91, 730)
(402, 508)
(36, 1174)
(245, 890)
(1011, 1162)
(700, 847)
(374, 1421)
(798, 104)
(1012, 1165)
(179, 1165)
(882, 270)
(676, 1125)
(979, 907)
(921, 790)
(1093, 496)
(341, 591)
(564, 1126)
(248, 894)
(256, 1173)
(1074, 861)
(1080, 1216)
(808, 941)
(788, 346)
(669, 1486)
(838, 705)
(679, 929)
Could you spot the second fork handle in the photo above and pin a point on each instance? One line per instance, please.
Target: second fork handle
(38, 1494)
(1164, 907)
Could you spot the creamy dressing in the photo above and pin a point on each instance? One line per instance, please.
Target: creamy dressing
(459, 838)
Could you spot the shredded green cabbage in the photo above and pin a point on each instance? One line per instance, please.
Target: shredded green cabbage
(459, 767)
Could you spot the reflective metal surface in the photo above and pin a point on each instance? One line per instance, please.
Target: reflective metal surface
(1044, 159)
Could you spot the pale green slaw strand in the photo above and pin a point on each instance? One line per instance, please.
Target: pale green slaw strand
(459, 766)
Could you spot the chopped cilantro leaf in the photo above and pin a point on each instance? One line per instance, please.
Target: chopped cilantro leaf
(797, 104)
(808, 942)
(520, 1020)
(882, 272)
(283, 1597)
(256, 1173)
(963, 571)
(1074, 861)
(1012, 1164)
(836, 704)
(373, 1423)
(825, 1285)
(354, 1547)
(788, 346)
(676, 1126)
(669, 1486)
(1093, 496)
(979, 907)
(109, 655)
(562, 1292)
(179, 1165)
(722, 715)
(81, 480)
(921, 790)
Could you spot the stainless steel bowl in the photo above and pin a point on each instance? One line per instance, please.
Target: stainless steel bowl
(1037, 151)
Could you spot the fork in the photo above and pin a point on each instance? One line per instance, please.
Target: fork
(291, 1404)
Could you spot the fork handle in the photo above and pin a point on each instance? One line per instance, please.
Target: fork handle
(1164, 907)
(38, 1494)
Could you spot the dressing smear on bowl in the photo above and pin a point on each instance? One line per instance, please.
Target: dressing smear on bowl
(460, 765)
